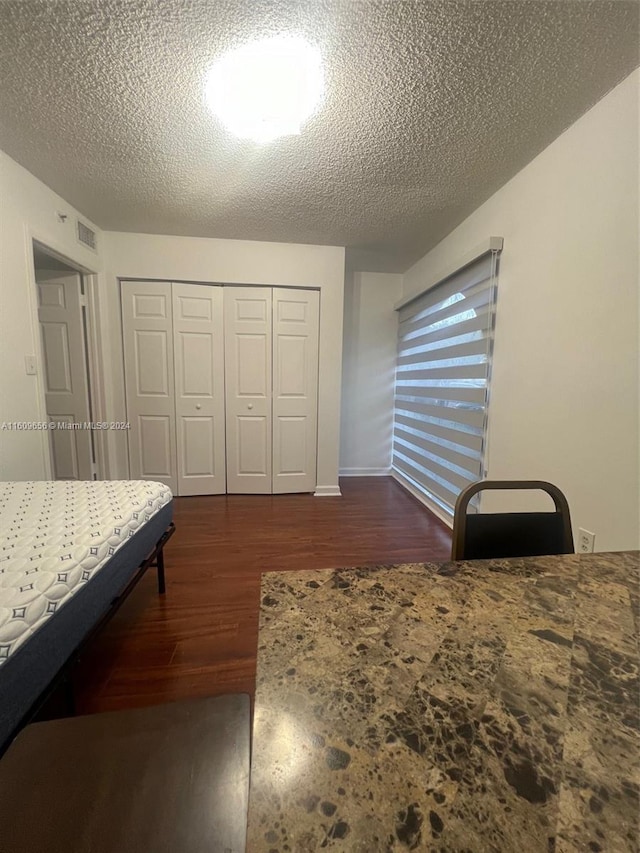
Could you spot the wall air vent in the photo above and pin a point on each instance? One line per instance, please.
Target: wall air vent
(86, 235)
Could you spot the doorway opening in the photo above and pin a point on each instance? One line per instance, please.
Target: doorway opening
(69, 359)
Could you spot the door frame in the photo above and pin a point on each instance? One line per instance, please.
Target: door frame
(94, 362)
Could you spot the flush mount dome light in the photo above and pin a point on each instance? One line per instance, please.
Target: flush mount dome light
(266, 89)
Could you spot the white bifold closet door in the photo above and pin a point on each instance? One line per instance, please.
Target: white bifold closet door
(247, 316)
(198, 347)
(174, 378)
(296, 315)
(271, 355)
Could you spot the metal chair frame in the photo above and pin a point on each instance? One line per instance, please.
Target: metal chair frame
(466, 495)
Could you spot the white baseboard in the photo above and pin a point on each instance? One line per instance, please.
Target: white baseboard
(327, 492)
(365, 472)
(430, 505)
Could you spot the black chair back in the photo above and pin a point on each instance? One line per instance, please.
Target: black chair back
(478, 536)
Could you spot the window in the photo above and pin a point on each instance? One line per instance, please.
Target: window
(442, 382)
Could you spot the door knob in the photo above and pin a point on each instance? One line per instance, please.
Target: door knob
(198, 406)
(250, 406)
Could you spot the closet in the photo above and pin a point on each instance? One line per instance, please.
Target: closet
(221, 386)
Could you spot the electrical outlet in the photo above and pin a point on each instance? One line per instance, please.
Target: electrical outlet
(586, 541)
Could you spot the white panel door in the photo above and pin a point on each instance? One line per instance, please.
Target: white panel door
(198, 345)
(247, 312)
(149, 379)
(65, 374)
(296, 315)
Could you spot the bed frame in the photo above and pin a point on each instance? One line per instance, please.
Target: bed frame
(62, 679)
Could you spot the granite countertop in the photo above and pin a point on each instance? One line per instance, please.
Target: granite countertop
(486, 706)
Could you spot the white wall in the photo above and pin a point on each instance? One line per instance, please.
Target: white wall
(27, 210)
(564, 397)
(370, 345)
(234, 262)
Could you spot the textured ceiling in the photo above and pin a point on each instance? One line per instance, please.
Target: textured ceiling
(431, 106)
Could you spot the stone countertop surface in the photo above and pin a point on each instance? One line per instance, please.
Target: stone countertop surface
(485, 706)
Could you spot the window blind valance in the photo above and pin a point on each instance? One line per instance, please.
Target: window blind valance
(445, 339)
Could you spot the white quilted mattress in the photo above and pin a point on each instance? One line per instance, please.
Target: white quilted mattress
(54, 537)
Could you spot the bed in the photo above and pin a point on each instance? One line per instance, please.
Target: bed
(69, 553)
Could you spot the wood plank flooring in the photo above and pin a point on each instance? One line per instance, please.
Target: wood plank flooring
(200, 638)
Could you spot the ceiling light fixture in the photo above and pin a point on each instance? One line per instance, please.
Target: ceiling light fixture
(266, 89)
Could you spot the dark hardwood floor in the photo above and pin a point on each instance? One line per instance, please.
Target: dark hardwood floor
(200, 638)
